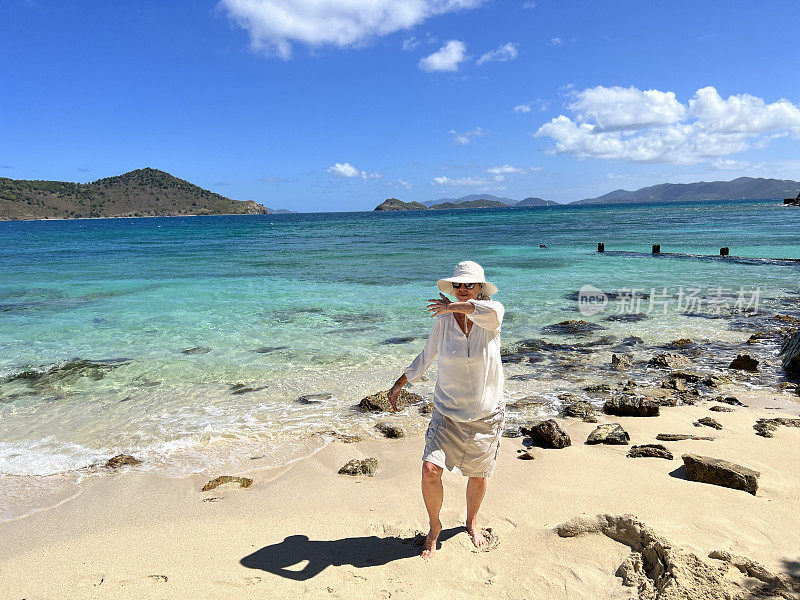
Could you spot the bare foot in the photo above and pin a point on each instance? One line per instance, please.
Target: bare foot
(476, 534)
(430, 542)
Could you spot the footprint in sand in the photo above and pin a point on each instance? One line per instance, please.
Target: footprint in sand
(151, 579)
(243, 582)
(492, 541)
(94, 579)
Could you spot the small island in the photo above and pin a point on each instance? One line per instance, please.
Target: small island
(391, 204)
(141, 193)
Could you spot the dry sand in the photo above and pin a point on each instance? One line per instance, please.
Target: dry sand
(305, 531)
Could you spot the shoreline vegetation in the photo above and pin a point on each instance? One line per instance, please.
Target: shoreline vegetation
(152, 193)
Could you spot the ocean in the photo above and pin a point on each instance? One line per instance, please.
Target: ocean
(188, 341)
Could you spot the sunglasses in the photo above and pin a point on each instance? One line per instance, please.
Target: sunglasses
(469, 286)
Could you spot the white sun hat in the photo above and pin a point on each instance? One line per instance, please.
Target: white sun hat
(467, 272)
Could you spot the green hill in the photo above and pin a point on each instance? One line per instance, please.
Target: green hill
(141, 193)
(395, 204)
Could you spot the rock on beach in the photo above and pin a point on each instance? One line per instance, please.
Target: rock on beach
(547, 434)
(720, 472)
(609, 433)
(380, 402)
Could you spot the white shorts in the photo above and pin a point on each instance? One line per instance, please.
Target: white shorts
(469, 448)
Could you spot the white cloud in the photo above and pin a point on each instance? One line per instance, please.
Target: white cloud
(462, 139)
(446, 58)
(612, 108)
(503, 53)
(349, 171)
(509, 169)
(274, 25)
(527, 107)
(556, 41)
(653, 126)
(410, 43)
(400, 183)
(468, 181)
(529, 5)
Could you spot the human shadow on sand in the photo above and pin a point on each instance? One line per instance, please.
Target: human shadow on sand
(366, 551)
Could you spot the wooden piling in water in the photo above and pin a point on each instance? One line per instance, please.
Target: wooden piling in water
(724, 251)
(656, 248)
(601, 247)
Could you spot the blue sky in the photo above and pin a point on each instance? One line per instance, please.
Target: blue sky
(341, 105)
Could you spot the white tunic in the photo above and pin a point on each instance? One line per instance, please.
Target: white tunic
(470, 382)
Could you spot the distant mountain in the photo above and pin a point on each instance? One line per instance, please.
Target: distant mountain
(393, 204)
(470, 198)
(536, 202)
(743, 188)
(482, 203)
(140, 193)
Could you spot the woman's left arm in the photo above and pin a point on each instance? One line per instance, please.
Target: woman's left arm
(486, 313)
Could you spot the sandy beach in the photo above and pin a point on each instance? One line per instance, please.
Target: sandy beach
(304, 530)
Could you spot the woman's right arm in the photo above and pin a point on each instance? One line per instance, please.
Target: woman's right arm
(420, 364)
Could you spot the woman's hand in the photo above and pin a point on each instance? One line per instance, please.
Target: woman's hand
(440, 305)
(394, 393)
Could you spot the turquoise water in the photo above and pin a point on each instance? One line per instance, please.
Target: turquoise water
(297, 304)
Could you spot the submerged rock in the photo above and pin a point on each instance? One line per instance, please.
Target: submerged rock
(609, 433)
(547, 434)
(621, 362)
(689, 376)
(197, 350)
(270, 349)
(314, 398)
(744, 362)
(222, 479)
(720, 472)
(398, 340)
(650, 451)
(47, 376)
(631, 406)
(366, 466)
(667, 360)
(380, 402)
(573, 327)
(391, 431)
(241, 388)
(122, 460)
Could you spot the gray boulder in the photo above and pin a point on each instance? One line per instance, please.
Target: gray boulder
(744, 362)
(668, 360)
(708, 422)
(720, 472)
(791, 354)
(547, 434)
(650, 451)
(631, 406)
(366, 466)
(609, 433)
(380, 402)
(391, 431)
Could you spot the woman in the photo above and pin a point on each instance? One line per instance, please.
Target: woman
(464, 432)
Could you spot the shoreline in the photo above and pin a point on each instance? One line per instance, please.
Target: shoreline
(134, 534)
